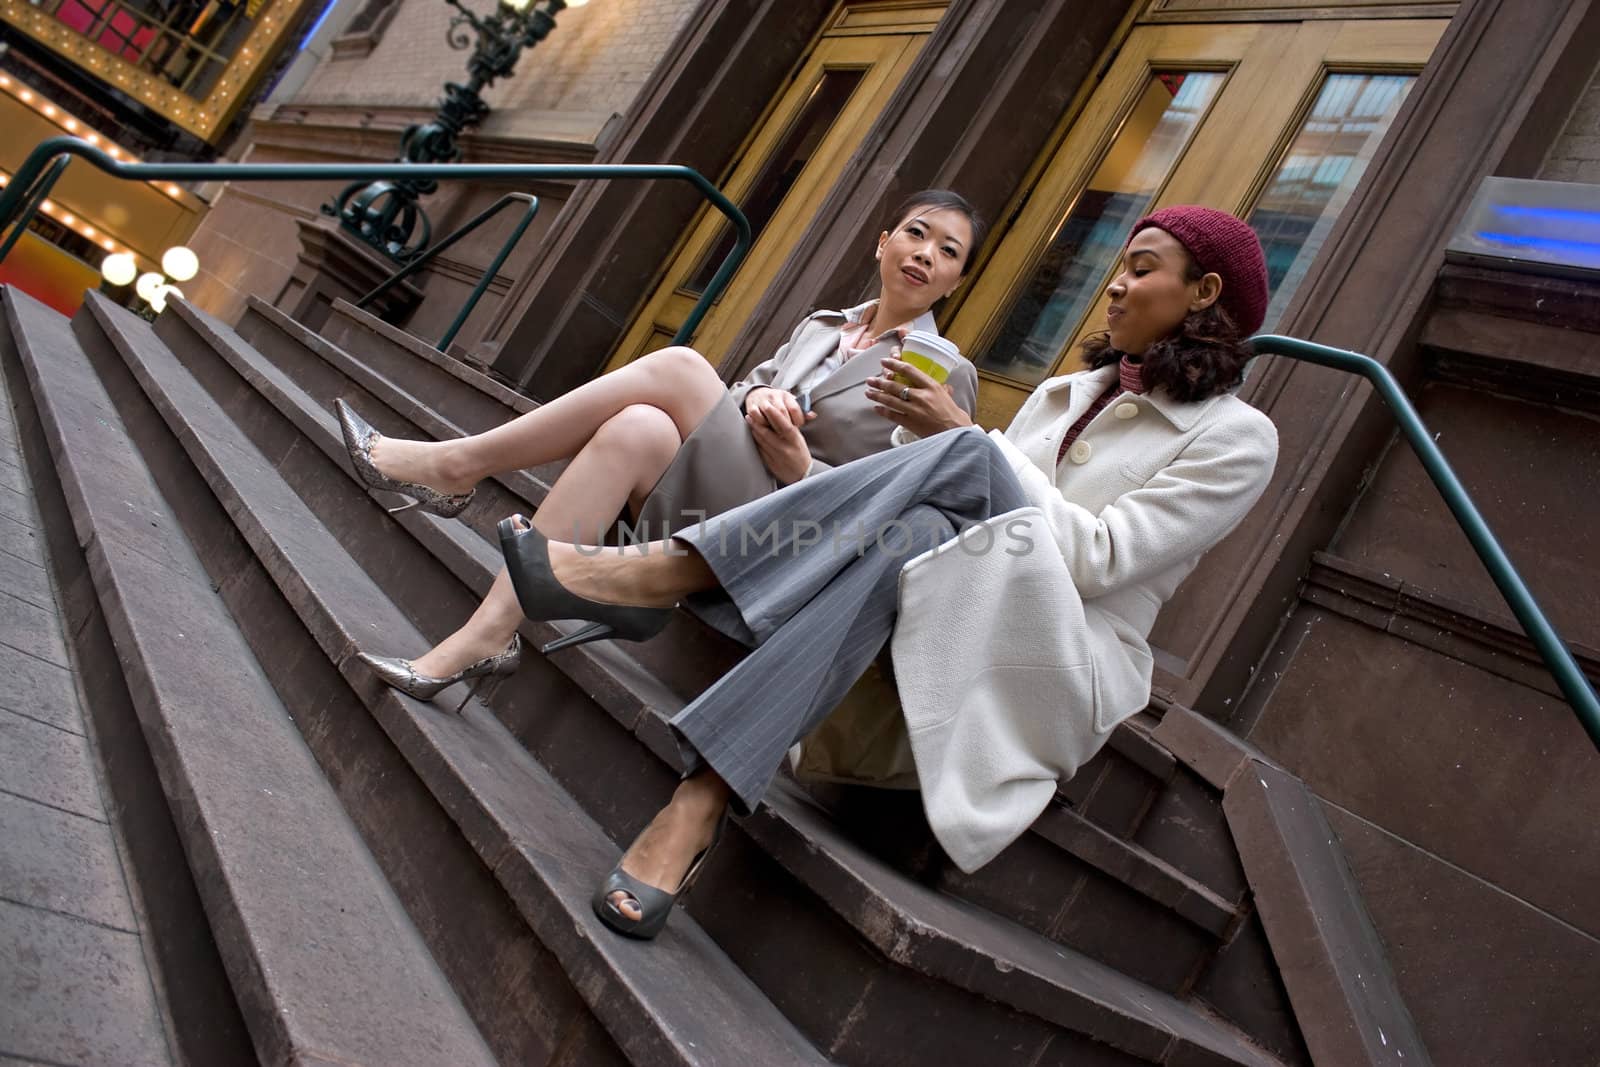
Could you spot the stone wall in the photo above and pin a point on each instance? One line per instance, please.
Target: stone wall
(1575, 157)
(594, 62)
(565, 92)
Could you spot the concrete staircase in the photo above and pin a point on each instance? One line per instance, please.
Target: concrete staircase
(359, 877)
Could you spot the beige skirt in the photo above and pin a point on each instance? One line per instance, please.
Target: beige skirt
(717, 469)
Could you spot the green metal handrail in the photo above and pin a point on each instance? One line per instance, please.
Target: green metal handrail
(31, 199)
(456, 235)
(1557, 657)
(11, 201)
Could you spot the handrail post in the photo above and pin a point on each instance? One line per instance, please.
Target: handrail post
(33, 198)
(1557, 657)
(417, 263)
(489, 272)
(22, 181)
(741, 246)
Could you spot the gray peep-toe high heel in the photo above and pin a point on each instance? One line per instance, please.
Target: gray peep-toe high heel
(542, 597)
(655, 905)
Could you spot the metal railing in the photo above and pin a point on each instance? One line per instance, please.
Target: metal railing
(1557, 657)
(455, 235)
(30, 184)
(31, 197)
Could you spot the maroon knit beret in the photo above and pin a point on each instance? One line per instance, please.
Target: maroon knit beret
(1223, 245)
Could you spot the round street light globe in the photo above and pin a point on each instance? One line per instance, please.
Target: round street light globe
(167, 293)
(180, 263)
(158, 302)
(148, 286)
(119, 268)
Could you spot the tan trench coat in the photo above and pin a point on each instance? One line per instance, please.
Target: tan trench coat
(719, 467)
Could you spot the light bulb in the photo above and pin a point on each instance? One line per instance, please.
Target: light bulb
(118, 268)
(148, 285)
(180, 263)
(158, 300)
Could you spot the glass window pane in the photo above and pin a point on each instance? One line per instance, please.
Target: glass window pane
(1053, 300)
(1319, 172)
(782, 167)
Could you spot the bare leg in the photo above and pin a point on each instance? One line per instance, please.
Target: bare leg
(677, 381)
(661, 855)
(653, 575)
(620, 465)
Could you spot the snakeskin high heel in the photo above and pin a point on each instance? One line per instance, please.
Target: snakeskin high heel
(542, 597)
(400, 674)
(359, 437)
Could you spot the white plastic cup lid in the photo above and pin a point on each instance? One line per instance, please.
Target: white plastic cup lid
(939, 349)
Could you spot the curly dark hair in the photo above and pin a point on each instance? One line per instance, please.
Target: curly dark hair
(1204, 356)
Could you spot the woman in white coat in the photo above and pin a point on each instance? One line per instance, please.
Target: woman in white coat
(665, 439)
(1017, 645)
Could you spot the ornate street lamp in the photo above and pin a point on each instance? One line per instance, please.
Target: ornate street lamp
(386, 214)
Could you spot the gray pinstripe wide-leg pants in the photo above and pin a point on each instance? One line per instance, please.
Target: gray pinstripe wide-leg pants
(809, 576)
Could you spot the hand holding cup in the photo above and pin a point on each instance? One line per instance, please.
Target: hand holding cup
(912, 392)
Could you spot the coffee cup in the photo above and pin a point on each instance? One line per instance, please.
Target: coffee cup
(930, 354)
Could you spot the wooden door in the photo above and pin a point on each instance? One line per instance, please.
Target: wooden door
(1273, 121)
(794, 157)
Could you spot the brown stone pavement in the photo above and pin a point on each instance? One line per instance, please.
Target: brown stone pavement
(75, 984)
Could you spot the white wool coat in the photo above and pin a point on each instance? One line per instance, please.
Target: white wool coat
(1022, 644)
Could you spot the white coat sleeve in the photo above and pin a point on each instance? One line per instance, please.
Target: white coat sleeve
(1188, 506)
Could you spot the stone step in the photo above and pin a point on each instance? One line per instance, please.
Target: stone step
(204, 1023)
(419, 368)
(486, 951)
(326, 371)
(973, 949)
(301, 915)
(494, 793)
(1136, 867)
(1332, 963)
(530, 710)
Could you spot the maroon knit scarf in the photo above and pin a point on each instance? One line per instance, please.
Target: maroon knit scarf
(1129, 380)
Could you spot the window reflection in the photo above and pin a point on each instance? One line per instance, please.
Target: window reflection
(782, 168)
(1319, 172)
(1054, 299)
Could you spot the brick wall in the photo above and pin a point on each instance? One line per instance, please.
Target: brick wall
(1575, 157)
(594, 62)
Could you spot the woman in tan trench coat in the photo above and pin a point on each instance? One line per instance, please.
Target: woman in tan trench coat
(664, 438)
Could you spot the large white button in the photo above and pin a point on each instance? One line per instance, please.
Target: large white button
(1126, 410)
(1080, 452)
